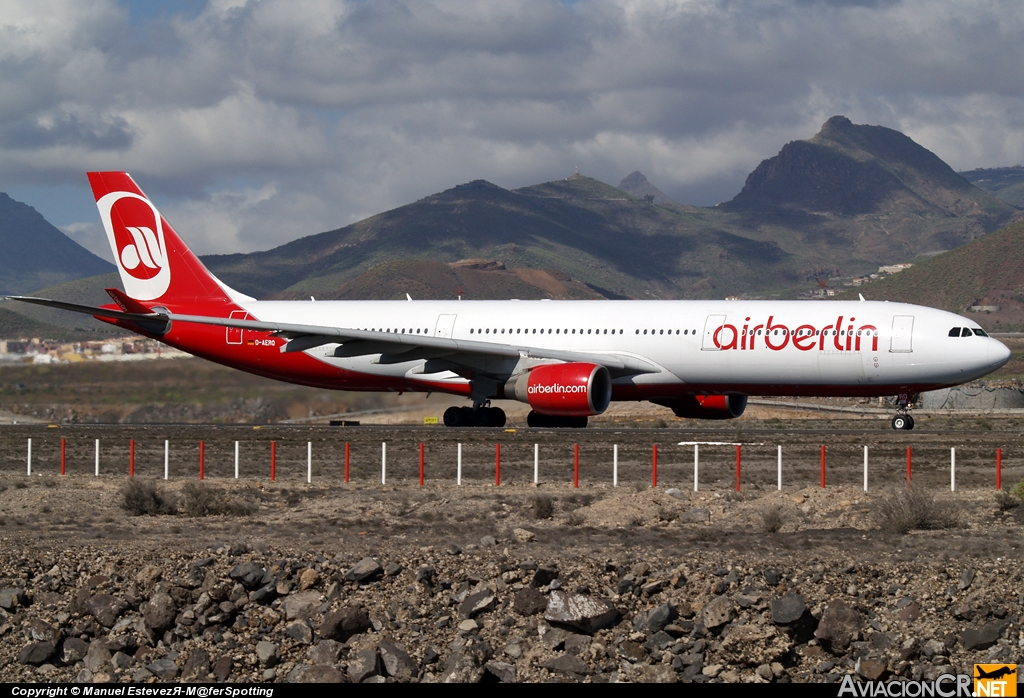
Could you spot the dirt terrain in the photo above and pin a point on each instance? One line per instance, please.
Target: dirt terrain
(253, 580)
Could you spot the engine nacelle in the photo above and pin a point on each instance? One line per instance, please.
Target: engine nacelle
(706, 406)
(568, 390)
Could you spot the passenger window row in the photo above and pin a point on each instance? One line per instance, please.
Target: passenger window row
(536, 331)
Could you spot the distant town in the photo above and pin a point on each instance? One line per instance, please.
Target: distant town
(46, 351)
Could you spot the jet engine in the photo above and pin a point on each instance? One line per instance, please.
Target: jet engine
(705, 406)
(565, 390)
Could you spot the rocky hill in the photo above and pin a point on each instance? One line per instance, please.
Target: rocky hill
(868, 191)
(637, 185)
(1004, 183)
(34, 254)
(988, 272)
(850, 198)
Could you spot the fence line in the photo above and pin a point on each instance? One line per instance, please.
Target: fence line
(497, 462)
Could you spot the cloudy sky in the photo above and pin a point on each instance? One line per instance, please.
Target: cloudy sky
(252, 123)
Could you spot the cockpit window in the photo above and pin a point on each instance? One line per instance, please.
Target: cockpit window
(966, 332)
(980, 332)
(955, 332)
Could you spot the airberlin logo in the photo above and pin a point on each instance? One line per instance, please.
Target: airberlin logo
(839, 336)
(556, 388)
(135, 231)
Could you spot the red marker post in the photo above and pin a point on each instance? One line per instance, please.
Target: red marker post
(999, 468)
(908, 467)
(63, 455)
(654, 466)
(202, 458)
(823, 466)
(131, 458)
(421, 464)
(737, 467)
(497, 465)
(576, 466)
(273, 460)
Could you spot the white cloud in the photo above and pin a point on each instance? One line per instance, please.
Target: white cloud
(264, 121)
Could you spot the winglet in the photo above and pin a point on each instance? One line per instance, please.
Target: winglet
(127, 304)
(861, 296)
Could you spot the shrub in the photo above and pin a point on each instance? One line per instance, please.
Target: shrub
(1018, 490)
(576, 518)
(543, 507)
(144, 498)
(772, 518)
(199, 500)
(1006, 501)
(913, 509)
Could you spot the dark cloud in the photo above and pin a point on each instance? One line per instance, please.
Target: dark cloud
(262, 121)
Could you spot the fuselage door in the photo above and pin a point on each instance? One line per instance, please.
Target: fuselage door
(234, 334)
(445, 325)
(902, 334)
(712, 327)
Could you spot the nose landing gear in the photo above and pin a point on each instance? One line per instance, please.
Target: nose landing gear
(903, 421)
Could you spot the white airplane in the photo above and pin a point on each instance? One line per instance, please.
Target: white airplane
(567, 359)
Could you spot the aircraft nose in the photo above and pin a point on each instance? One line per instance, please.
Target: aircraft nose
(998, 353)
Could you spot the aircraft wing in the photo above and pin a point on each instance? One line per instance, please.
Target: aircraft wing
(393, 347)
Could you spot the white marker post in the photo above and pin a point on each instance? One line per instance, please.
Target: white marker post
(383, 463)
(309, 462)
(167, 458)
(29, 473)
(696, 466)
(952, 469)
(536, 464)
(97, 457)
(780, 468)
(615, 465)
(865, 468)
(236, 460)
(458, 467)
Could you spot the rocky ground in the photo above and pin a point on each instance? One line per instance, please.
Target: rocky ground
(366, 583)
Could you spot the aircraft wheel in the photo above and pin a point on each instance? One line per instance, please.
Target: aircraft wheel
(497, 417)
(899, 422)
(910, 423)
(453, 417)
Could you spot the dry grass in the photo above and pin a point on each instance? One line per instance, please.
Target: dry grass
(199, 500)
(543, 507)
(144, 498)
(773, 517)
(905, 510)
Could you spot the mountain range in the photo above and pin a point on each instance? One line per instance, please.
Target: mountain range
(849, 199)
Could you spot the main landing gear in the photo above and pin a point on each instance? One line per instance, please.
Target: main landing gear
(903, 421)
(470, 417)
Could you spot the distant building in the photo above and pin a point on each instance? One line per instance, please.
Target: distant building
(894, 268)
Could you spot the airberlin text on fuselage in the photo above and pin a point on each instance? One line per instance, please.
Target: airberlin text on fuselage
(776, 336)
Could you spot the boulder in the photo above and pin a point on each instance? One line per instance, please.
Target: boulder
(839, 626)
(529, 602)
(587, 614)
(480, 602)
(717, 612)
(396, 661)
(36, 653)
(343, 623)
(365, 571)
(106, 608)
(248, 574)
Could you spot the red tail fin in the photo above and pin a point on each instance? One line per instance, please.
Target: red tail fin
(154, 263)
